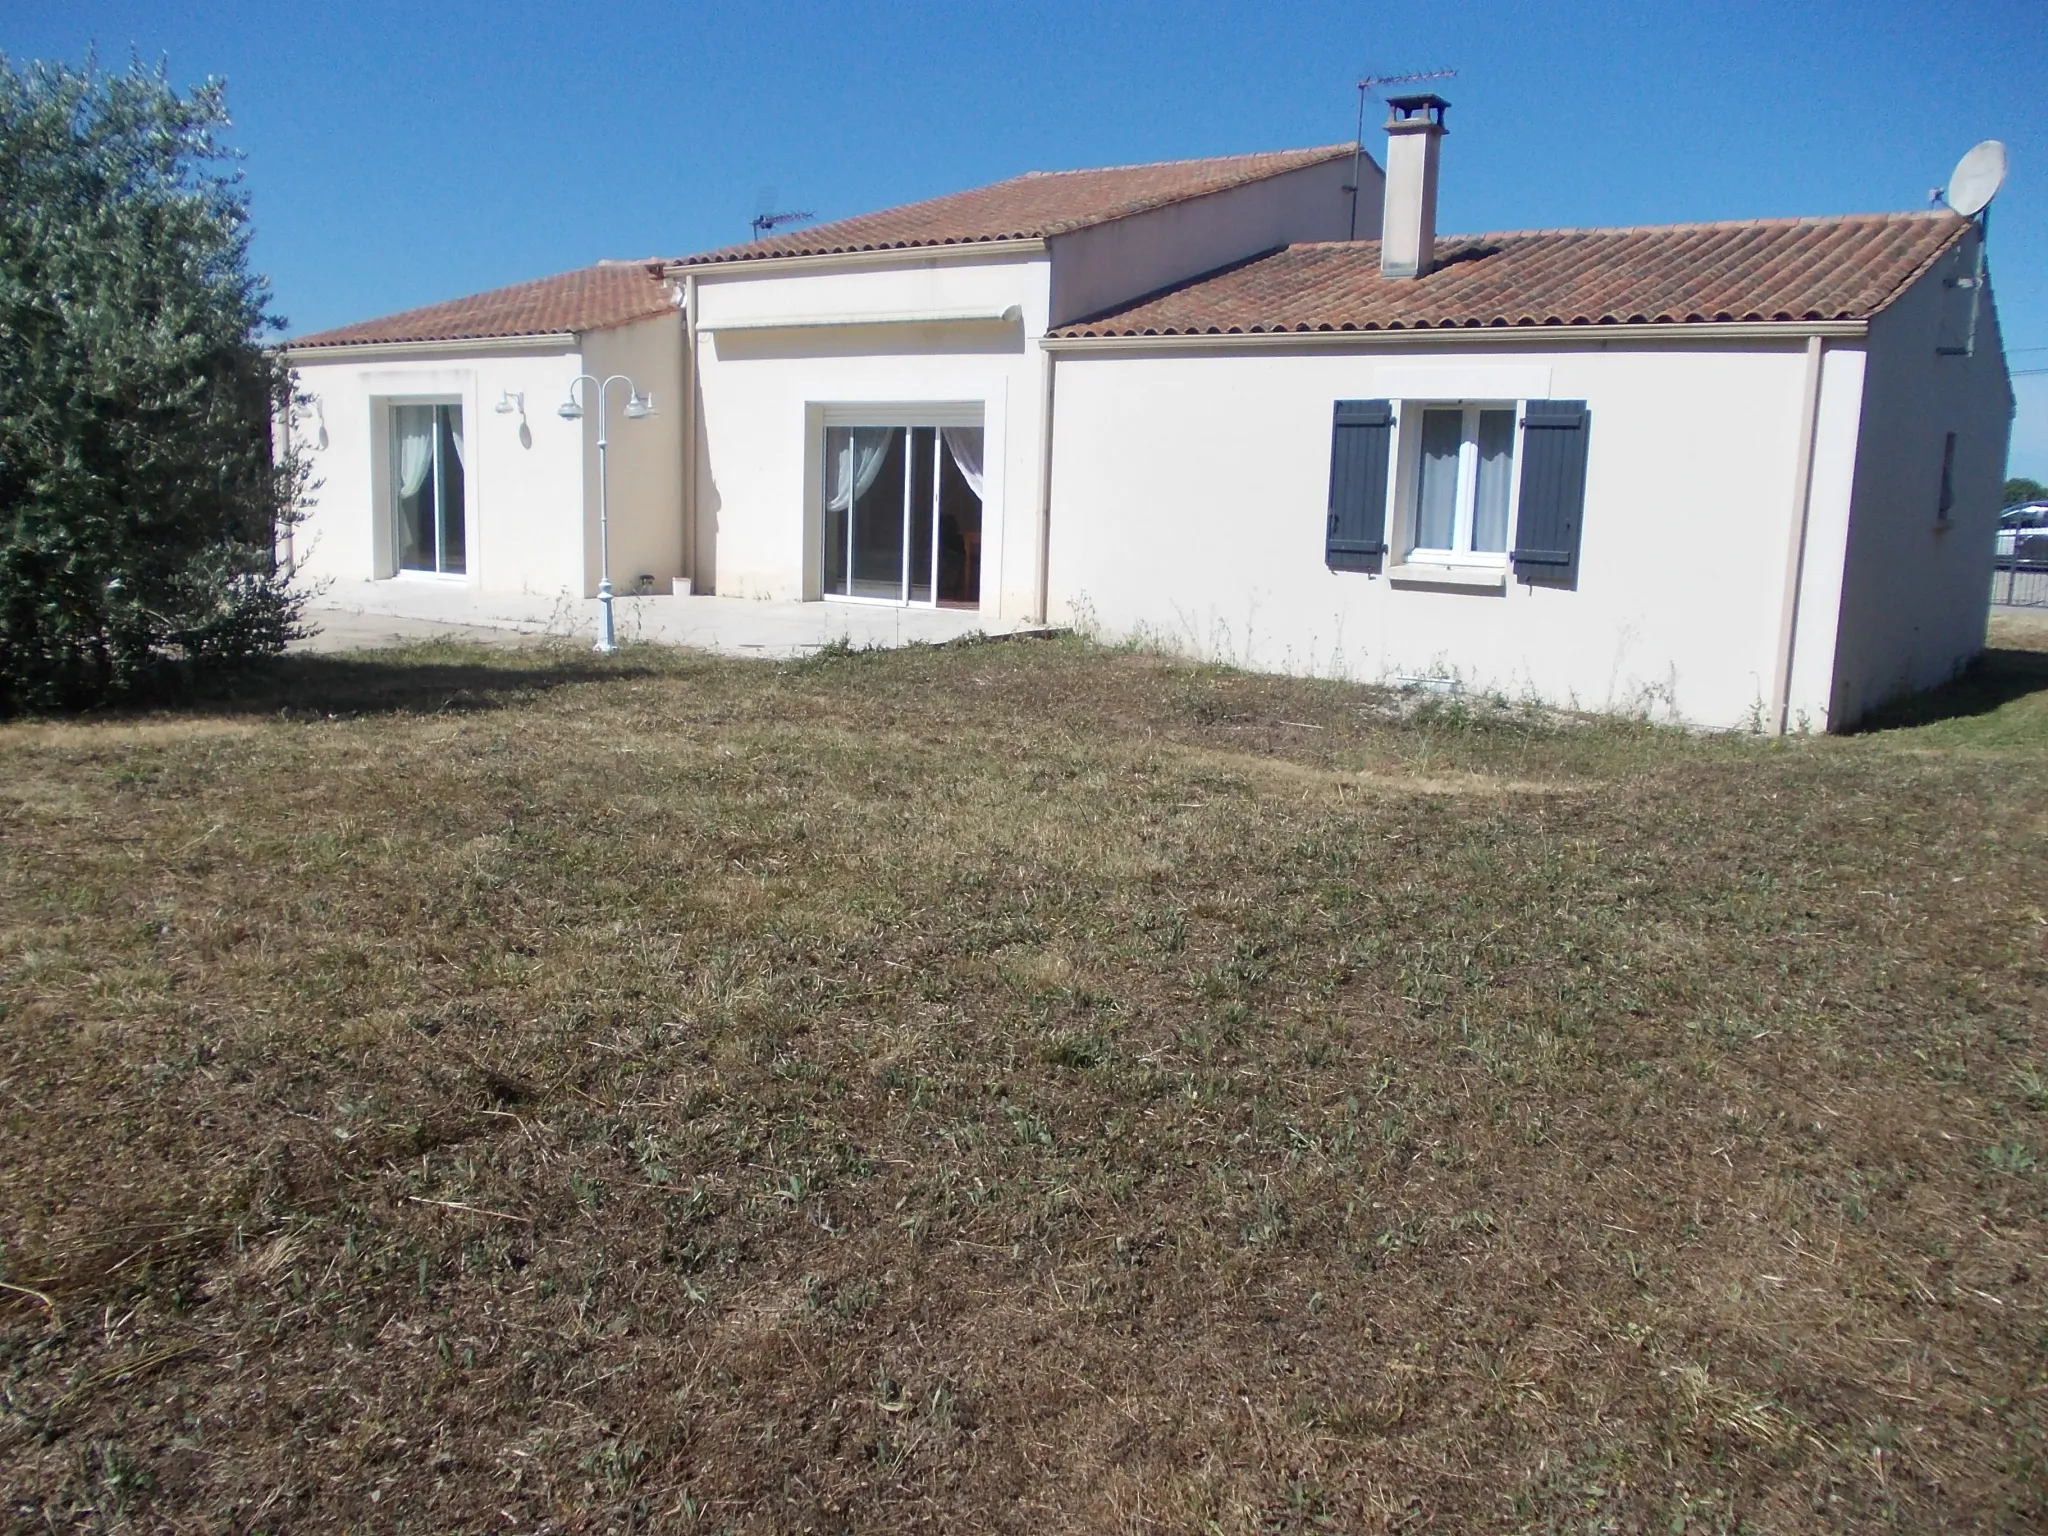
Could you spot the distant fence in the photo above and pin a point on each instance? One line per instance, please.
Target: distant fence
(2019, 585)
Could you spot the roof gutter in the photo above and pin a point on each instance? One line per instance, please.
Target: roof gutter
(987, 314)
(456, 346)
(1465, 336)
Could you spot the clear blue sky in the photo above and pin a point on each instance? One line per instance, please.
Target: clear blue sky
(404, 153)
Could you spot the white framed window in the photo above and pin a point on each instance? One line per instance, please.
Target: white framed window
(429, 501)
(1460, 485)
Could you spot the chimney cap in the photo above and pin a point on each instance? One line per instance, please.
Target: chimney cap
(1417, 111)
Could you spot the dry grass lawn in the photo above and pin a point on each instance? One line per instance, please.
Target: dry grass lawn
(1017, 1087)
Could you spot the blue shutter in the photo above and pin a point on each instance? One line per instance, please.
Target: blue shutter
(1553, 492)
(1360, 446)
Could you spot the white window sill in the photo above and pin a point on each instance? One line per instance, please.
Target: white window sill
(1471, 578)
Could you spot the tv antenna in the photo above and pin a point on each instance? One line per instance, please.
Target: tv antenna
(1370, 86)
(766, 222)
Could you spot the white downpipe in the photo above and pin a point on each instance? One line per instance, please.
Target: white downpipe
(1044, 573)
(690, 433)
(1795, 552)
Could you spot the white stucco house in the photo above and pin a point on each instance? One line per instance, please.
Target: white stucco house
(1732, 474)
(443, 465)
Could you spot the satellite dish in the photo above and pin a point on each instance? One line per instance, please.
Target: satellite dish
(1977, 178)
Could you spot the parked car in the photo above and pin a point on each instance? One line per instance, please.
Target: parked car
(2023, 535)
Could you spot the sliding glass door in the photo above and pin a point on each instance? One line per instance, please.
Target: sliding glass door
(902, 519)
(427, 461)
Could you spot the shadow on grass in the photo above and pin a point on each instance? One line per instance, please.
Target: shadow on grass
(430, 680)
(1997, 678)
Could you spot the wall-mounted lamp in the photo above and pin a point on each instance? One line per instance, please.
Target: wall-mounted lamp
(320, 415)
(512, 402)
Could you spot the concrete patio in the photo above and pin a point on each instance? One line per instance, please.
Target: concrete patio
(369, 615)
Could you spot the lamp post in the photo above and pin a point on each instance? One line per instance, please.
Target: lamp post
(571, 409)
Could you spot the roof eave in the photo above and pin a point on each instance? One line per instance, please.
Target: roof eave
(884, 256)
(452, 346)
(1462, 336)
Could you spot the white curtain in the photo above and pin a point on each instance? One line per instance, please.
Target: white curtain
(964, 443)
(1496, 471)
(454, 419)
(415, 447)
(1436, 500)
(856, 460)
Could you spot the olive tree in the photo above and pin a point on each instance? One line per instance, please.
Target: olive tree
(139, 495)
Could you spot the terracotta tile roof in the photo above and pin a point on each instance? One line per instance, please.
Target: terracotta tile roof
(1036, 206)
(588, 299)
(1768, 269)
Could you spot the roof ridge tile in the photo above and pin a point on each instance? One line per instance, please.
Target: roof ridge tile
(1640, 229)
(1332, 150)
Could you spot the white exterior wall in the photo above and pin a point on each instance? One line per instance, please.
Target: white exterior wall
(646, 477)
(1190, 496)
(1109, 264)
(763, 392)
(531, 484)
(1837, 438)
(524, 488)
(1916, 590)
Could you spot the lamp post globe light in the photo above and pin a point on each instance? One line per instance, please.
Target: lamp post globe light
(571, 409)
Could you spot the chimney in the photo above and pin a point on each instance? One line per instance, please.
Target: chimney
(1408, 231)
